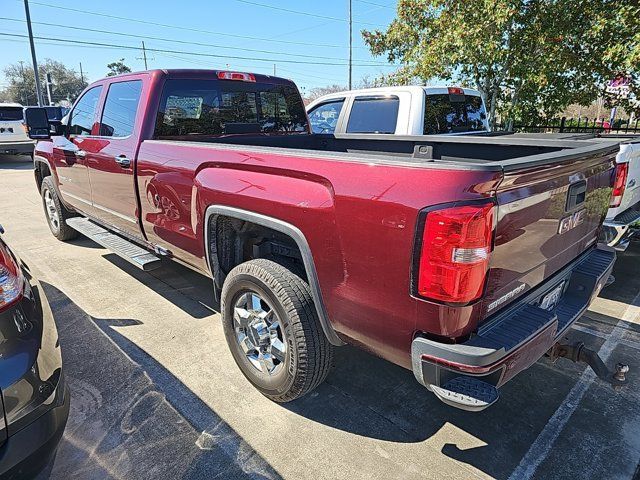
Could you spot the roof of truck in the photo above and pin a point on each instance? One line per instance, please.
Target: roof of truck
(10, 104)
(199, 73)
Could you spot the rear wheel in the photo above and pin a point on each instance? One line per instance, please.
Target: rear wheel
(55, 212)
(273, 331)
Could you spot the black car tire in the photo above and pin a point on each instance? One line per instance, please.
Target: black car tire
(309, 355)
(61, 230)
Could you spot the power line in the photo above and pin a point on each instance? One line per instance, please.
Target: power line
(307, 14)
(191, 29)
(184, 42)
(376, 4)
(181, 52)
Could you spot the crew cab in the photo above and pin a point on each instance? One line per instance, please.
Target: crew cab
(406, 110)
(13, 135)
(463, 259)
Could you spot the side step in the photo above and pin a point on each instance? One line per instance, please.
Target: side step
(467, 393)
(125, 249)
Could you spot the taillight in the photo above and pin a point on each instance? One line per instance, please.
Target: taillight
(10, 280)
(454, 254)
(455, 91)
(244, 77)
(619, 184)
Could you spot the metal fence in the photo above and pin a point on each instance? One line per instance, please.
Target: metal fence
(579, 125)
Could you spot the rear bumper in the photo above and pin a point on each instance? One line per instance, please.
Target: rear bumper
(28, 451)
(17, 148)
(518, 336)
(619, 230)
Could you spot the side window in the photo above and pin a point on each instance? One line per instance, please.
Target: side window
(374, 115)
(119, 113)
(324, 117)
(84, 112)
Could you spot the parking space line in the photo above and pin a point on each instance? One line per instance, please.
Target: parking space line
(596, 333)
(543, 444)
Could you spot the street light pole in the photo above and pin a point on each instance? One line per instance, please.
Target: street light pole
(350, 41)
(33, 54)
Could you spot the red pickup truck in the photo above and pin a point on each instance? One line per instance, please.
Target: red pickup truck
(463, 259)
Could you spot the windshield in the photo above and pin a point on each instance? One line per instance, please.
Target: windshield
(445, 113)
(11, 114)
(213, 107)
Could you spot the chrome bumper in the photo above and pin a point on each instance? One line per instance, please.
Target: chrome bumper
(619, 230)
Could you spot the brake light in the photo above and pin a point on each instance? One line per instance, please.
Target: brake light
(454, 255)
(619, 184)
(244, 77)
(455, 91)
(10, 280)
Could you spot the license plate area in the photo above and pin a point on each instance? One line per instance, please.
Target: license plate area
(552, 298)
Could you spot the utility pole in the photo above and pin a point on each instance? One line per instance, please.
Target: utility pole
(81, 74)
(144, 56)
(274, 69)
(350, 42)
(33, 54)
(48, 79)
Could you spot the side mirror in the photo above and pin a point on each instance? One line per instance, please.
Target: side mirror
(37, 123)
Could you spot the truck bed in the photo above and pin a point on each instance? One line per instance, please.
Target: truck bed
(478, 152)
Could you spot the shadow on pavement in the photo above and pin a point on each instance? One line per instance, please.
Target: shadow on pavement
(131, 418)
(15, 162)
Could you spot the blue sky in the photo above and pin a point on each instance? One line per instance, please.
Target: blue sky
(317, 39)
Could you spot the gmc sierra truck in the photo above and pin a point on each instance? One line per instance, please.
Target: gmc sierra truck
(463, 259)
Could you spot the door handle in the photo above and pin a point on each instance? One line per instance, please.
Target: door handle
(123, 161)
(80, 153)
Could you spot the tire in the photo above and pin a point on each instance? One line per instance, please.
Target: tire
(55, 213)
(307, 356)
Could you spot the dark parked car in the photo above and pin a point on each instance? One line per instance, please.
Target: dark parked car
(34, 404)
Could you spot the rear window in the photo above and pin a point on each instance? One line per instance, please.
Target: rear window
(373, 115)
(212, 107)
(11, 114)
(453, 114)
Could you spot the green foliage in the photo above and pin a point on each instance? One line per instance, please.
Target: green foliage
(116, 68)
(67, 84)
(529, 58)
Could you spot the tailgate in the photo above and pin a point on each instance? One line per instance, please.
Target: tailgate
(547, 216)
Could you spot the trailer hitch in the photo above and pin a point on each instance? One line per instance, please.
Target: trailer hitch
(579, 353)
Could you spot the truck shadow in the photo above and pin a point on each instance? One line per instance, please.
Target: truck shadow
(131, 418)
(15, 162)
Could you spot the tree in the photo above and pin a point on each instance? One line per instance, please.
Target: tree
(529, 58)
(67, 84)
(116, 68)
(320, 91)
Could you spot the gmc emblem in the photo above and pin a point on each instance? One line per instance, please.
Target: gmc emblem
(572, 221)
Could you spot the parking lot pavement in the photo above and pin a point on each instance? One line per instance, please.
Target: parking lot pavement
(156, 394)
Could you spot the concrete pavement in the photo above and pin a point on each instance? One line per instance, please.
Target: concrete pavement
(156, 394)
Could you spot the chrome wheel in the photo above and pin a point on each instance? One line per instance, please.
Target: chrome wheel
(52, 211)
(259, 333)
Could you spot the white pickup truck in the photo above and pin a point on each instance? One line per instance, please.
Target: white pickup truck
(409, 110)
(623, 218)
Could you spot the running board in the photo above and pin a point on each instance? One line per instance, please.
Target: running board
(125, 249)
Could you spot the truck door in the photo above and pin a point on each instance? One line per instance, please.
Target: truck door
(70, 152)
(111, 164)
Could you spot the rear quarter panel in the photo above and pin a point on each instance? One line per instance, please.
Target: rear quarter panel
(359, 220)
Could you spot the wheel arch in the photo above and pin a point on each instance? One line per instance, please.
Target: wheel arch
(294, 234)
